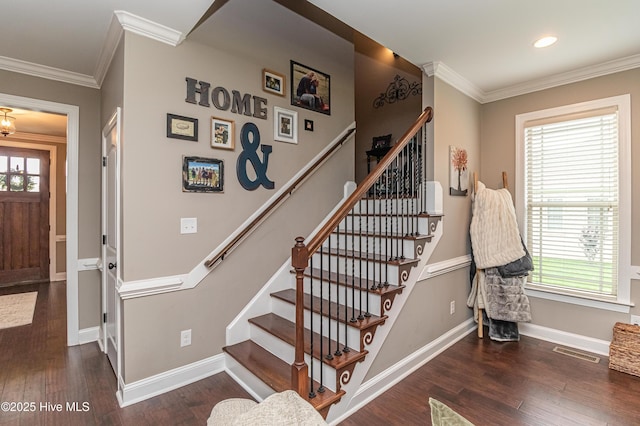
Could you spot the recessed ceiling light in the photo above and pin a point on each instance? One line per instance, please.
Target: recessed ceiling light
(545, 41)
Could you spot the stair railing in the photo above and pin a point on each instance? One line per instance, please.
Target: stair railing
(355, 249)
(252, 223)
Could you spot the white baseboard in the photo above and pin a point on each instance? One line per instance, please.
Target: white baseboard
(169, 380)
(585, 343)
(375, 386)
(88, 335)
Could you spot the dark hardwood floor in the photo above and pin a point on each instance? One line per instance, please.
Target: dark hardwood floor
(37, 366)
(511, 383)
(490, 383)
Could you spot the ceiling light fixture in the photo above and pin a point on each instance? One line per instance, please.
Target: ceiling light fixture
(545, 41)
(8, 123)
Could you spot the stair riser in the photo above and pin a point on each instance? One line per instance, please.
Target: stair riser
(288, 311)
(382, 224)
(338, 292)
(392, 246)
(374, 271)
(286, 352)
(259, 389)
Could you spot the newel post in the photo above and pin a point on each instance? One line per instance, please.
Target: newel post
(299, 369)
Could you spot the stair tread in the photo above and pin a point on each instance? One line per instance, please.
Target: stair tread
(289, 296)
(347, 280)
(275, 372)
(285, 330)
(374, 257)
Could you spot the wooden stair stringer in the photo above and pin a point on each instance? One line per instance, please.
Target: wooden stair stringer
(351, 389)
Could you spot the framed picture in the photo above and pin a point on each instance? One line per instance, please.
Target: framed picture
(458, 173)
(285, 125)
(381, 142)
(308, 125)
(201, 174)
(310, 88)
(222, 133)
(273, 82)
(179, 127)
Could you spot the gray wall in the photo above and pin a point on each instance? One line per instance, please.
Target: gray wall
(498, 153)
(153, 202)
(426, 316)
(88, 101)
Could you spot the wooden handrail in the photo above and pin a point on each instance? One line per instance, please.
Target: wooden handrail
(316, 241)
(284, 193)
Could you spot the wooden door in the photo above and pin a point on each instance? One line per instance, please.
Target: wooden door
(24, 215)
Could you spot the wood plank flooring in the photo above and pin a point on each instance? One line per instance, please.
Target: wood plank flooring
(523, 383)
(37, 367)
(490, 383)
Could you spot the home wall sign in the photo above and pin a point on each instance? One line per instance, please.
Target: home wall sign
(250, 140)
(223, 100)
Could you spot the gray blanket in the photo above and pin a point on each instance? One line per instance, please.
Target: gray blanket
(506, 300)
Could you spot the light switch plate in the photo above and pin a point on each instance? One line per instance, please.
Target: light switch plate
(188, 225)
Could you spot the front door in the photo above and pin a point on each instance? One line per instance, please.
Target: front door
(24, 215)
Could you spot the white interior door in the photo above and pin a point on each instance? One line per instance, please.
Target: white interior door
(111, 238)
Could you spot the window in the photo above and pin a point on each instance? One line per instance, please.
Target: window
(573, 198)
(19, 174)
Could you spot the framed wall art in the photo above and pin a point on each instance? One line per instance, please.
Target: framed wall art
(179, 127)
(272, 82)
(222, 133)
(458, 173)
(285, 125)
(200, 174)
(310, 88)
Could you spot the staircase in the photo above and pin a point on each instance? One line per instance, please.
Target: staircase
(313, 326)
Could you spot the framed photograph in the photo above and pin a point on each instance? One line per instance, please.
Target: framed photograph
(383, 141)
(179, 127)
(222, 133)
(310, 88)
(458, 173)
(273, 82)
(308, 125)
(285, 125)
(201, 174)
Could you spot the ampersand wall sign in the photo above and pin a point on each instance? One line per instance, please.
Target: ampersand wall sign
(250, 140)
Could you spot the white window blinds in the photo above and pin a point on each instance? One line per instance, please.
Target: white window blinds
(572, 205)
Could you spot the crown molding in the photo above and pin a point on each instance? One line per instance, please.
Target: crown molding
(50, 73)
(451, 77)
(561, 79)
(150, 29)
(35, 137)
(108, 49)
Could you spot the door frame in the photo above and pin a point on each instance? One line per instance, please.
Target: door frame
(73, 136)
(113, 122)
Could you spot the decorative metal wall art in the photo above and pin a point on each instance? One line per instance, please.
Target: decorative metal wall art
(398, 90)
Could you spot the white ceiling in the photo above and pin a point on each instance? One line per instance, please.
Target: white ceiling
(483, 47)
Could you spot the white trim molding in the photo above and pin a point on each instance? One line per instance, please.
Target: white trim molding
(444, 267)
(148, 287)
(88, 335)
(140, 390)
(585, 343)
(50, 73)
(90, 264)
(147, 28)
(109, 47)
(449, 76)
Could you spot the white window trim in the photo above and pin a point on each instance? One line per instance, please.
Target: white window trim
(625, 269)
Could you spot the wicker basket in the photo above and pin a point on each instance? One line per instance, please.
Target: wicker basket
(624, 351)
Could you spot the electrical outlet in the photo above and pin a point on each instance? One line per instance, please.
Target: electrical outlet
(185, 338)
(635, 319)
(452, 307)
